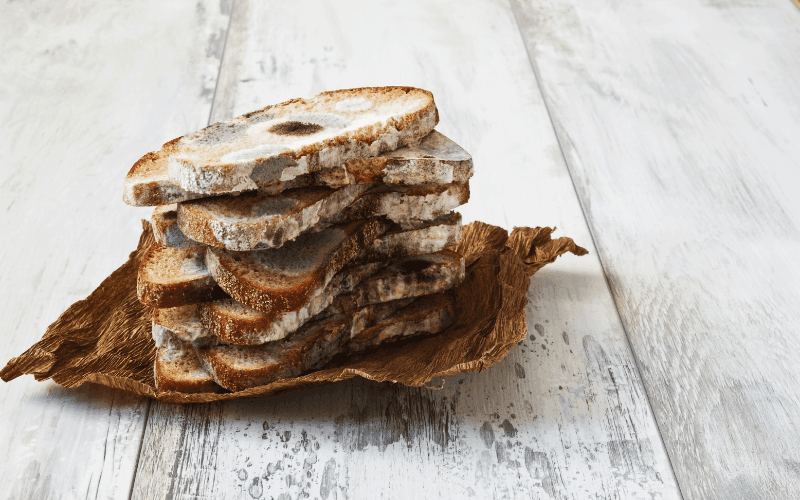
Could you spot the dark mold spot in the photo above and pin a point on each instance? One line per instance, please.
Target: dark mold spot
(295, 128)
(565, 337)
(413, 266)
(539, 328)
(519, 370)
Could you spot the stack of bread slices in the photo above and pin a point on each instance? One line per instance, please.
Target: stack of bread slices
(298, 232)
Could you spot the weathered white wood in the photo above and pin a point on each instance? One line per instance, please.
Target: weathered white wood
(679, 121)
(564, 416)
(86, 89)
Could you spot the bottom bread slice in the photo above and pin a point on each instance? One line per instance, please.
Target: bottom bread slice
(241, 367)
(178, 369)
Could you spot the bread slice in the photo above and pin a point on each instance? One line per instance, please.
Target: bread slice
(433, 160)
(251, 220)
(240, 367)
(404, 278)
(171, 277)
(423, 238)
(174, 327)
(428, 314)
(284, 141)
(408, 206)
(285, 279)
(351, 288)
(148, 182)
(164, 222)
(229, 321)
(179, 370)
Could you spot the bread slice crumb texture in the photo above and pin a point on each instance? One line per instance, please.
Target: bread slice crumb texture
(171, 277)
(253, 220)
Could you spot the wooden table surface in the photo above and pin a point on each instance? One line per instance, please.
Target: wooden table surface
(662, 136)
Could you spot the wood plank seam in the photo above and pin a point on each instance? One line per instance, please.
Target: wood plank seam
(221, 59)
(210, 113)
(141, 445)
(537, 76)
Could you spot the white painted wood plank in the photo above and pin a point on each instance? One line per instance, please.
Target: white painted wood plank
(86, 89)
(564, 416)
(679, 122)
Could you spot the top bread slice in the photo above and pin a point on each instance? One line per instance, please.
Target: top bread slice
(433, 160)
(301, 136)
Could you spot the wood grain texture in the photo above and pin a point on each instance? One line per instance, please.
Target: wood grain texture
(563, 416)
(87, 89)
(679, 125)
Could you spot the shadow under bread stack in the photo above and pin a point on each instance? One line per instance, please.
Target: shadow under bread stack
(301, 231)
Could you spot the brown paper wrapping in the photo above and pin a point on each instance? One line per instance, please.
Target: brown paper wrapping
(106, 337)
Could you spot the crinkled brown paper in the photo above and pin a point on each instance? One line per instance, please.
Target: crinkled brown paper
(106, 338)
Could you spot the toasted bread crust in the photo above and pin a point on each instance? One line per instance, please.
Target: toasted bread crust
(272, 292)
(161, 283)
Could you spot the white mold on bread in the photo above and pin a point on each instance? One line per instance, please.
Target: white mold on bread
(297, 137)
